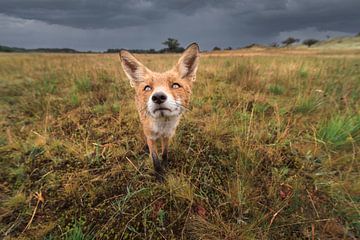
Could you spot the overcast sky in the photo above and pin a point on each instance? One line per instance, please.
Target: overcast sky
(99, 25)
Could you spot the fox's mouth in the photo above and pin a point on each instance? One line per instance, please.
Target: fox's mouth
(162, 109)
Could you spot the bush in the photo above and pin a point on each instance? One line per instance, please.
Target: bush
(309, 42)
(289, 41)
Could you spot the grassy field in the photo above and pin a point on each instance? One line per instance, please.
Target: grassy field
(269, 149)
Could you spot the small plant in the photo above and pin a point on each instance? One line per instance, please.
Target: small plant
(161, 217)
(75, 232)
(74, 100)
(303, 73)
(276, 89)
(115, 108)
(122, 205)
(83, 85)
(48, 85)
(307, 105)
(18, 200)
(99, 109)
(96, 156)
(261, 107)
(340, 130)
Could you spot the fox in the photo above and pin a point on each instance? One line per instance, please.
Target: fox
(161, 99)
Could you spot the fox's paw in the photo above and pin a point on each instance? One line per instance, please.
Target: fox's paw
(160, 174)
(165, 163)
(159, 177)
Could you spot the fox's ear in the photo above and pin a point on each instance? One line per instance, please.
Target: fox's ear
(133, 68)
(188, 62)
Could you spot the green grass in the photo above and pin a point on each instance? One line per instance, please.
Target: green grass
(268, 149)
(75, 232)
(340, 130)
(276, 89)
(83, 84)
(307, 105)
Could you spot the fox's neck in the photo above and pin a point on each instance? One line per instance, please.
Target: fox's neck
(164, 126)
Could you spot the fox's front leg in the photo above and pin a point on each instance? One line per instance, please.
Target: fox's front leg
(154, 156)
(164, 150)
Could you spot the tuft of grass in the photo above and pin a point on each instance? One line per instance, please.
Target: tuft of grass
(83, 85)
(115, 108)
(276, 89)
(99, 109)
(340, 130)
(122, 204)
(16, 201)
(307, 105)
(75, 232)
(303, 73)
(48, 85)
(244, 75)
(261, 107)
(18, 175)
(74, 99)
(180, 187)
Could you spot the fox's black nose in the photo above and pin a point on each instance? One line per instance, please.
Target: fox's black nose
(159, 97)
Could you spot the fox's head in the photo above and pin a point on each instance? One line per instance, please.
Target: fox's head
(164, 94)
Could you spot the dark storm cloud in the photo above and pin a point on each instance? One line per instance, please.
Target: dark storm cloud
(98, 14)
(143, 23)
(278, 14)
(324, 15)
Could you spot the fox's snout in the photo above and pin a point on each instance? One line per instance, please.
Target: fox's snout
(159, 97)
(162, 103)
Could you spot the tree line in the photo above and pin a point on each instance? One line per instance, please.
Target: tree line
(172, 45)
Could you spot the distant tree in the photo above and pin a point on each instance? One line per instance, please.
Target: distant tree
(289, 41)
(228, 48)
(216, 48)
(310, 41)
(357, 35)
(172, 44)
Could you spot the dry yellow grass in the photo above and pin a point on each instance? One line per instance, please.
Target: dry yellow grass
(269, 149)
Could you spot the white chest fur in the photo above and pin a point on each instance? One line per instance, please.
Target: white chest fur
(164, 127)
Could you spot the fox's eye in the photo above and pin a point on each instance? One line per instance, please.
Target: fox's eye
(147, 88)
(176, 85)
